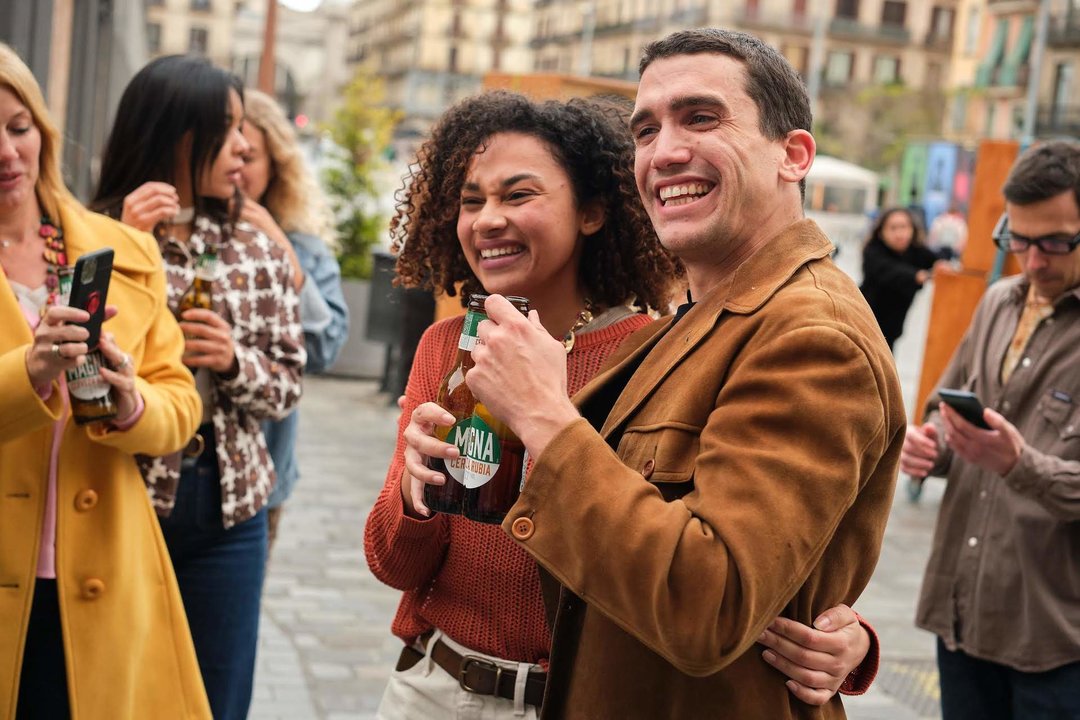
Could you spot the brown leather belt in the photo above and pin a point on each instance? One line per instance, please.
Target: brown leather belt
(477, 674)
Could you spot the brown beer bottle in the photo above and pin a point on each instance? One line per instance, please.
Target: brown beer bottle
(91, 397)
(457, 399)
(201, 292)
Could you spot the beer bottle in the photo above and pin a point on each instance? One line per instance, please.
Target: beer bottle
(480, 458)
(201, 292)
(91, 397)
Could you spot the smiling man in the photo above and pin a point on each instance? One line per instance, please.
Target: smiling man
(734, 462)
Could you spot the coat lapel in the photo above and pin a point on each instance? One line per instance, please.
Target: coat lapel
(138, 305)
(748, 288)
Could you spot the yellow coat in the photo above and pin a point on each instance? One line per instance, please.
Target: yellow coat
(126, 639)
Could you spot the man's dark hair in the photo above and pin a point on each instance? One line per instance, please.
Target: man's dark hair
(1043, 172)
(774, 86)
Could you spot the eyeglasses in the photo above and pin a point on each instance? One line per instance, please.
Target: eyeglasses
(1057, 244)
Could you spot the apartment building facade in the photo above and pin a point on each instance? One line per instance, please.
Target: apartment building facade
(863, 41)
(990, 83)
(309, 53)
(432, 53)
(202, 27)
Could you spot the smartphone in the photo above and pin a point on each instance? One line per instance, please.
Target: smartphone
(967, 404)
(89, 288)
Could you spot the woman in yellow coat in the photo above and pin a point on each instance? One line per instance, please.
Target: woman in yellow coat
(91, 622)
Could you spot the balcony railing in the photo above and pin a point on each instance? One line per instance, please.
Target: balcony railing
(938, 41)
(1057, 120)
(1064, 30)
(752, 17)
(853, 29)
(1006, 75)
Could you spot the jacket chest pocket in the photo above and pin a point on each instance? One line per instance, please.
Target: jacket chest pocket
(664, 454)
(1061, 415)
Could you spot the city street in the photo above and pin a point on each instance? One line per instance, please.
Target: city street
(326, 649)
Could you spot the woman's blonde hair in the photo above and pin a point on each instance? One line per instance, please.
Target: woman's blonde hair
(50, 188)
(293, 197)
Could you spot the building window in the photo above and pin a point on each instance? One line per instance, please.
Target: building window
(200, 5)
(886, 70)
(933, 76)
(847, 9)
(799, 57)
(198, 40)
(451, 60)
(838, 68)
(971, 32)
(959, 113)
(893, 12)
(941, 24)
(153, 37)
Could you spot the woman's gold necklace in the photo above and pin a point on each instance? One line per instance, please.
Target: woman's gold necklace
(583, 318)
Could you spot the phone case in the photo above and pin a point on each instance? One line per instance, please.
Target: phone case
(90, 290)
(967, 404)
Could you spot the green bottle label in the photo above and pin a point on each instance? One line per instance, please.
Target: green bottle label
(483, 453)
(459, 435)
(468, 330)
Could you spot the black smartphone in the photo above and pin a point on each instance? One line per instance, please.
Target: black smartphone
(90, 287)
(967, 404)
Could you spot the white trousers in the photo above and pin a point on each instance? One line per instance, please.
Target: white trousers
(427, 692)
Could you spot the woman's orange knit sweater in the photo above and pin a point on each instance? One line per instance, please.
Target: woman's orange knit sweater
(467, 578)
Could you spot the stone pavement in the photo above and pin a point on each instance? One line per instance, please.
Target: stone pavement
(325, 646)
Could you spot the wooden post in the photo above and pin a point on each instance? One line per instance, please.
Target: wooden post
(266, 62)
(956, 295)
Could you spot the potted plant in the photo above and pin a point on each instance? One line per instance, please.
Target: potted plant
(360, 130)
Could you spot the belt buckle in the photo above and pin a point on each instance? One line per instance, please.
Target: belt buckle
(467, 662)
(189, 456)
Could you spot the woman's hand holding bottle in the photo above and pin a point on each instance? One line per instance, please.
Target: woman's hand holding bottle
(420, 444)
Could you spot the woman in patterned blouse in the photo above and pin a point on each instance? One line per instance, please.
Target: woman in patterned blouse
(171, 165)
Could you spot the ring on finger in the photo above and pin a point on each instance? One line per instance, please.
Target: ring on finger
(56, 351)
(125, 363)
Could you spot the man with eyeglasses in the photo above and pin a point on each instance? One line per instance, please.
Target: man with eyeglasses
(1002, 587)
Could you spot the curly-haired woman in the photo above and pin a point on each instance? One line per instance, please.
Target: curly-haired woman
(522, 198)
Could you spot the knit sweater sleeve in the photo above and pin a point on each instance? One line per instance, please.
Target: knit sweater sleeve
(403, 552)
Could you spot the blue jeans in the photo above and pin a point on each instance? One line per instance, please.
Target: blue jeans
(220, 573)
(973, 689)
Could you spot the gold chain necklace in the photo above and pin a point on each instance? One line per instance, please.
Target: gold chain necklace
(583, 318)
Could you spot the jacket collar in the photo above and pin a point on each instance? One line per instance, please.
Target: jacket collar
(83, 229)
(744, 292)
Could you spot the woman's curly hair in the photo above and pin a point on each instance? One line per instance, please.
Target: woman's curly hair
(622, 262)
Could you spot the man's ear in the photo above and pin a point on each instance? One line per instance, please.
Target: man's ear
(799, 152)
(592, 218)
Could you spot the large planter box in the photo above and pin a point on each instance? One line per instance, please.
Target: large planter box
(360, 358)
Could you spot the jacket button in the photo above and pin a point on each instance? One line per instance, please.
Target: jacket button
(92, 589)
(523, 528)
(647, 469)
(85, 500)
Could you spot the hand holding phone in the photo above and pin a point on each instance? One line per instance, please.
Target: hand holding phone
(90, 288)
(966, 404)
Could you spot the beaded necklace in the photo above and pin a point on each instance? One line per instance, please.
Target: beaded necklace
(55, 254)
